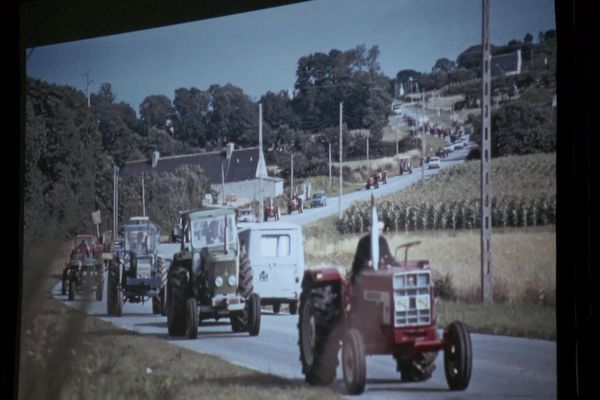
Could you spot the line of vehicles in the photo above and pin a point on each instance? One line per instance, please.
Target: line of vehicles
(212, 268)
(217, 269)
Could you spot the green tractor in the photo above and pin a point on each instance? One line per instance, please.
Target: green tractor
(210, 277)
(136, 273)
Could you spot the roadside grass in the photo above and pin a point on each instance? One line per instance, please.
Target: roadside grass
(513, 319)
(67, 354)
(524, 272)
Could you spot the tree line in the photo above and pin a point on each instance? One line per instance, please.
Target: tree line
(468, 63)
(70, 148)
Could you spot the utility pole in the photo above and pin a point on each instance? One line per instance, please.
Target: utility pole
(223, 183)
(423, 138)
(329, 145)
(368, 164)
(486, 187)
(292, 173)
(143, 197)
(260, 164)
(88, 82)
(341, 150)
(115, 200)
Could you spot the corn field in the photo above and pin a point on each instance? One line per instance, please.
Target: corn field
(523, 194)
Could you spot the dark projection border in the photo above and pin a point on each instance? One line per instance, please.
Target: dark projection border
(42, 22)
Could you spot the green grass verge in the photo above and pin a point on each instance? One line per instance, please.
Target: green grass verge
(512, 319)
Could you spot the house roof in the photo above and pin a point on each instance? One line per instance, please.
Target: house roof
(505, 63)
(241, 166)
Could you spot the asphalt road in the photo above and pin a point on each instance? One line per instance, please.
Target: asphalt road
(394, 184)
(503, 367)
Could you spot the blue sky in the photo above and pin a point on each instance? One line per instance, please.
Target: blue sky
(259, 51)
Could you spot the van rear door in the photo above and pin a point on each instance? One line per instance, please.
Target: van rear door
(275, 263)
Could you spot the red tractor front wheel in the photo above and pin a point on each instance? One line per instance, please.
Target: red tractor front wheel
(458, 356)
(354, 362)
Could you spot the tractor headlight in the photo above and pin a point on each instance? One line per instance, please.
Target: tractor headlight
(218, 281)
(231, 280)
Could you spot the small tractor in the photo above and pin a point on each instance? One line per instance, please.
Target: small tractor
(295, 204)
(85, 268)
(381, 175)
(211, 276)
(372, 182)
(136, 273)
(405, 165)
(388, 308)
(271, 210)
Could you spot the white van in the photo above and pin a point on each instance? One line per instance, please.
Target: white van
(276, 253)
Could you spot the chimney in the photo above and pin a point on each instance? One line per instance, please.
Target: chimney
(155, 157)
(230, 147)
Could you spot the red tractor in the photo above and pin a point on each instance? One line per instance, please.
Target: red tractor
(85, 269)
(295, 204)
(372, 182)
(271, 210)
(405, 165)
(381, 175)
(388, 308)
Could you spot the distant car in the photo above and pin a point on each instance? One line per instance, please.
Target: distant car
(318, 199)
(247, 215)
(459, 144)
(434, 162)
(449, 147)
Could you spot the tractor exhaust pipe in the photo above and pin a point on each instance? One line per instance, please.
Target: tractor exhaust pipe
(225, 238)
(374, 235)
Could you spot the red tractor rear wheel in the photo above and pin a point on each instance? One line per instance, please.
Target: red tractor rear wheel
(318, 337)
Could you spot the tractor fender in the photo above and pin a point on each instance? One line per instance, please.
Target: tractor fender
(321, 275)
(183, 259)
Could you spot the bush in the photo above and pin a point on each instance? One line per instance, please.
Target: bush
(166, 194)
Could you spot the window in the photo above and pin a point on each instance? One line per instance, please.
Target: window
(210, 231)
(275, 245)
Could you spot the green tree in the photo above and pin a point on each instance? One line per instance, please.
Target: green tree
(165, 194)
(443, 65)
(155, 111)
(233, 117)
(352, 77)
(62, 147)
(278, 111)
(191, 115)
(117, 124)
(407, 77)
(519, 128)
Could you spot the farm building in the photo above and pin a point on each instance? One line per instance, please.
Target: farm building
(234, 173)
